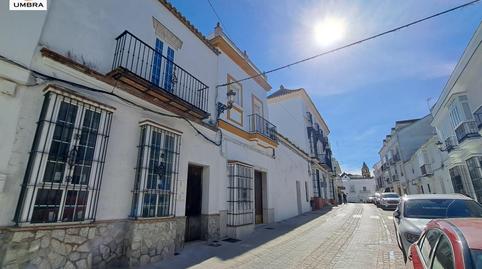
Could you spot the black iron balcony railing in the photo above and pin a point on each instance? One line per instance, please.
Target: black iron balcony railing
(450, 143)
(258, 124)
(478, 117)
(467, 129)
(139, 58)
(426, 169)
(385, 166)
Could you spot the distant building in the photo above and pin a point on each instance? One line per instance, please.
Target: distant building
(358, 187)
(398, 147)
(365, 171)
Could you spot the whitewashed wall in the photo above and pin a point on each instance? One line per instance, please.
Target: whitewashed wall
(289, 117)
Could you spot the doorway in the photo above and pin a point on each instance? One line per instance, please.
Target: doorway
(298, 197)
(193, 203)
(258, 196)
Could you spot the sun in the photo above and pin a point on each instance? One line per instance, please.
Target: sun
(329, 31)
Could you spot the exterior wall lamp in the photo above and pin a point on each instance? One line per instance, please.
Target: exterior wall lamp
(440, 146)
(223, 107)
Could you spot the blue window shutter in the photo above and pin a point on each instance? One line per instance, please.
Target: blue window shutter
(168, 81)
(156, 63)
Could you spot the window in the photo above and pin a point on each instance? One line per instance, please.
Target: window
(65, 167)
(364, 189)
(474, 165)
(156, 172)
(454, 115)
(156, 65)
(428, 243)
(443, 257)
(316, 183)
(257, 106)
(429, 190)
(170, 79)
(456, 177)
(240, 194)
(306, 192)
(237, 89)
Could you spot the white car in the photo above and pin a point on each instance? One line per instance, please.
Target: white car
(389, 200)
(415, 211)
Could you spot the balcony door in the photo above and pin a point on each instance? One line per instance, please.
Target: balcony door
(156, 63)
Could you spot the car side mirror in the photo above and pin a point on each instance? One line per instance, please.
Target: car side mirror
(396, 214)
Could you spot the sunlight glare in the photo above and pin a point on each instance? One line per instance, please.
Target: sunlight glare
(329, 31)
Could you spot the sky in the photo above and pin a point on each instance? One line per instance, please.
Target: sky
(360, 91)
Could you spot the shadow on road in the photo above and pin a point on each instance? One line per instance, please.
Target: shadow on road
(199, 251)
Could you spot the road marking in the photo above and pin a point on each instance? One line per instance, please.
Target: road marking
(390, 217)
(357, 216)
(374, 217)
(391, 254)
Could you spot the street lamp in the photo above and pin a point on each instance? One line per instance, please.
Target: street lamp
(223, 107)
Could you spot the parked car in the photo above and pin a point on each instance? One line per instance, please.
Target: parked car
(371, 199)
(415, 211)
(450, 243)
(389, 200)
(377, 198)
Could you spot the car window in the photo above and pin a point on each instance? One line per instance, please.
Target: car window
(441, 208)
(443, 257)
(477, 258)
(390, 195)
(428, 244)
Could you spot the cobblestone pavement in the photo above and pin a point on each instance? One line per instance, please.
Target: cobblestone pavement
(348, 236)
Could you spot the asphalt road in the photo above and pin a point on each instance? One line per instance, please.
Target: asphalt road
(348, 236)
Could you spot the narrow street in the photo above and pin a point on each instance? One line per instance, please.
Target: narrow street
(347, 236)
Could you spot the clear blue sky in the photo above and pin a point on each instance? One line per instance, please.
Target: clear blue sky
(360, 91)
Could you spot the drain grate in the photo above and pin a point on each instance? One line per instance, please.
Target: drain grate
(214, 244)
(269, 228)
(231, 240)
(176, 253)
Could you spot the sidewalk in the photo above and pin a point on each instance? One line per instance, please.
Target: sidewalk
(218, 254)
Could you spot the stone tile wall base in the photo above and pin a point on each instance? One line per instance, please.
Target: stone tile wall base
(98, 245)
(210, 227)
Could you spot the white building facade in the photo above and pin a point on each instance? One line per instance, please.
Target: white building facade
(458, 120)
(426, 172)
(357, 188)
(298, 119)
(398, 147)
(114, 151)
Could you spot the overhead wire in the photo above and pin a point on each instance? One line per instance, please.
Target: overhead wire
(350, 44)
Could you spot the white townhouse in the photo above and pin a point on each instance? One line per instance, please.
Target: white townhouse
(296, 117)
(380, 181)
(266, 172)
(357, 187)
(425, 170)
(457, 117)
(119, 141)
(398, 147)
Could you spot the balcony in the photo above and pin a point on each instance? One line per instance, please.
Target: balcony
(260, 125)
(426, 170)
(150, 74)
(467, 129)
(325, 160)
(478, 117)
(385, 166)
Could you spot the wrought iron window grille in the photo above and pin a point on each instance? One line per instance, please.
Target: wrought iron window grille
(240, 194)
(64, 172)
(155, 186)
